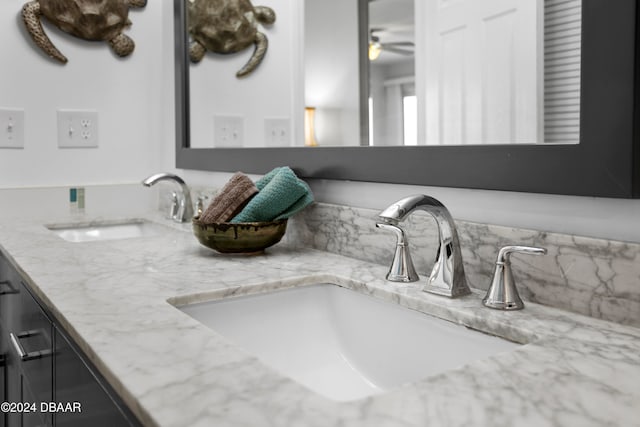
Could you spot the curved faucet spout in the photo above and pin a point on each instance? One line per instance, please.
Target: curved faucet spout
(447, 276)
(401, 209)
(163, 176)
(185, 205)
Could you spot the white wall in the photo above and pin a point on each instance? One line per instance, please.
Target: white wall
(387, 99)
(128, 94)
(331, 70)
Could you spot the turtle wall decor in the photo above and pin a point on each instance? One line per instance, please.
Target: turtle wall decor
(228, 26)
(94, 20)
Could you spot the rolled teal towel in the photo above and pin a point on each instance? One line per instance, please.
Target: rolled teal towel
(281, 195)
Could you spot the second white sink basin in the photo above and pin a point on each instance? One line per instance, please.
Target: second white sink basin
(342, 344)
(107, 231)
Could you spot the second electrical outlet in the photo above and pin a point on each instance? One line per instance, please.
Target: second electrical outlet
(228, 131)
(77, 129)
(277, 132)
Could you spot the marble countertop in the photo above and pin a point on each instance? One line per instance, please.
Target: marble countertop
(116, 299)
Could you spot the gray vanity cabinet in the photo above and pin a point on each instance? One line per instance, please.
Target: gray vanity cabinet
(10, 305)
(41, 365)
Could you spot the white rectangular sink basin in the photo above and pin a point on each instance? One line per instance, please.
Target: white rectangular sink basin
(342, 344)
(106, 231)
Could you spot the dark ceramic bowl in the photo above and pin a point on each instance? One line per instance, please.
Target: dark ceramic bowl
(244, 237)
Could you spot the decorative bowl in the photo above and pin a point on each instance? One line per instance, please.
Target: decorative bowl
(242, 237)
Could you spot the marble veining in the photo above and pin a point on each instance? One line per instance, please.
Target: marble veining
(594, 277)
(116, 298)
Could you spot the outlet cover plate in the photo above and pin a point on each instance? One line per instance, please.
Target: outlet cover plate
(11, 128)
(228, 131)
(277, 132)
(77, 129)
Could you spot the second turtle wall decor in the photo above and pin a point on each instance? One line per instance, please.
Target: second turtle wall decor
(228, 26)
(94, 20)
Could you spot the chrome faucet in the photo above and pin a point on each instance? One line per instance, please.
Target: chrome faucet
(447, 276)
(181, 207)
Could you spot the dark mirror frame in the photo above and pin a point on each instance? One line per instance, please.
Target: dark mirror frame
(606, 163)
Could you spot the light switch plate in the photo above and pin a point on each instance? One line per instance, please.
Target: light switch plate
(77, 129)
(11, 128)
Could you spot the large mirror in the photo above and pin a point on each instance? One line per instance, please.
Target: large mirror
(598, 88)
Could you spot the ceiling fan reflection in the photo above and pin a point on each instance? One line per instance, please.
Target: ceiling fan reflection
(376, 46)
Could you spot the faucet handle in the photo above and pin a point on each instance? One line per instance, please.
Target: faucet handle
(503, 294)
(402, 269)
(174, 206)
(200, 204)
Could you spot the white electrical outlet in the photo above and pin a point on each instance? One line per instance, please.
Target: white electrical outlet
(77, 129)
(277, 132)
(11, 128)
(228, 132)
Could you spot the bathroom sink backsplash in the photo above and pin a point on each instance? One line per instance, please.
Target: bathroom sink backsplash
(594, 277)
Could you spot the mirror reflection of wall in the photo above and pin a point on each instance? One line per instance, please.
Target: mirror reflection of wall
(245, 106)
(392, 92)
(331, 71)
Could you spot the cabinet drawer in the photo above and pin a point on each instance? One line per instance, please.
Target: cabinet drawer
(32, 418)
(26, 344)
(32, 346)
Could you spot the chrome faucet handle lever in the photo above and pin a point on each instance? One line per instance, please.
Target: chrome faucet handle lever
(402, 269)
(200, 204)
(175, 205)
(503, 294)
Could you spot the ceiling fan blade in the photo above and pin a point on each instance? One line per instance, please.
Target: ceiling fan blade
(408, 44)
(396, 50)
